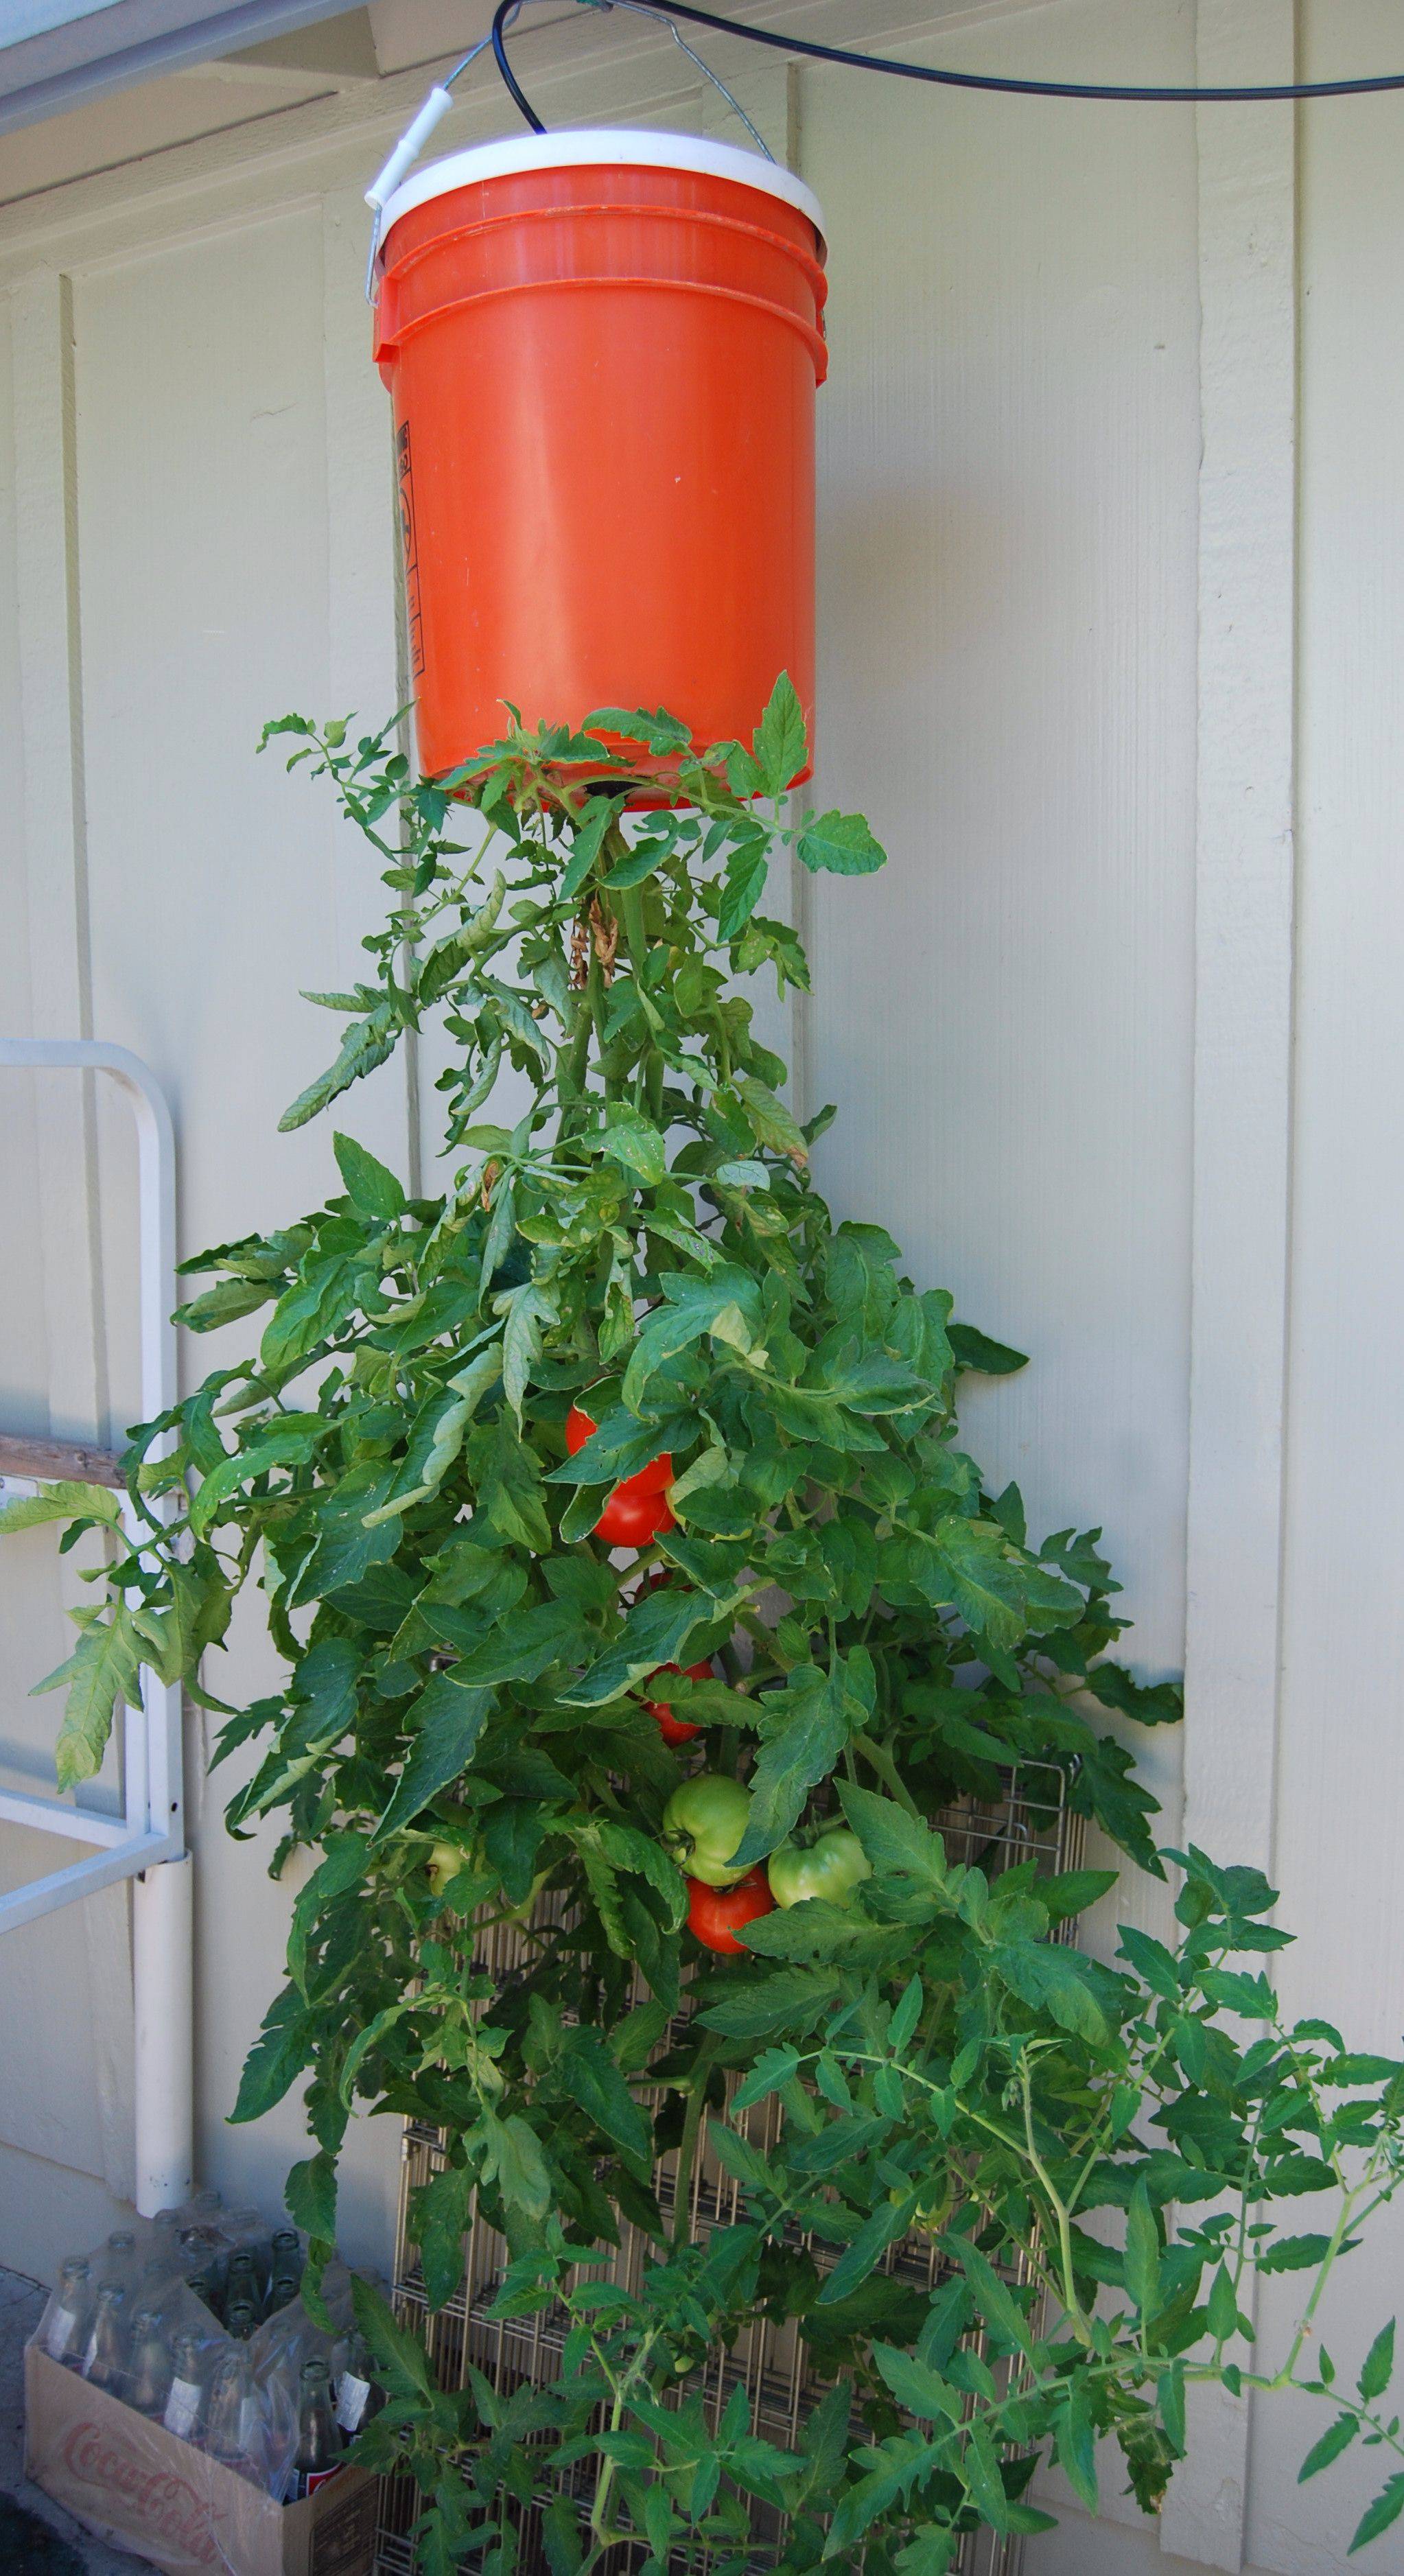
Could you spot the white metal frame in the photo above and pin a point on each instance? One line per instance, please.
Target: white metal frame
(151, 1827)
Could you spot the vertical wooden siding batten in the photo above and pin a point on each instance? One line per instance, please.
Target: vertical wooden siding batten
(55, 841)
(362, 659)
(1243, 1030)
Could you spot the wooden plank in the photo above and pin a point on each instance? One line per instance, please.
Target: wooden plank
(57, 1459)
(55, 844)
(1243, 1036)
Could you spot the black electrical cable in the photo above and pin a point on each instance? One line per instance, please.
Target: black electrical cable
(508, 9)
(896, 70)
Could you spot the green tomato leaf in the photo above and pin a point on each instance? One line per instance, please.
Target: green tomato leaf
(974, 1350)
(1386, 2510)
(1142, 2258)
(996, 2303)
(514, 2161)
(1075, 2446)
(1379, 2365)
(529, 1310)
(1293, 2254)
(276, 2058)
(1223, 2306)
(780, 741)
(889, 2221)
(805, 1729)
(899, 1845)
(596, 815)
(310, 2194)
(692, 1307)
(841, 844)
(366, 1044)
(595, 2082)
(770, 1122)
(1336, 2438)
(103, 1669)
(632, 1141)
(62, 1502)
(657, 732)
(439, 2216)
(916, 2386)
(372, 1189)
(401, 2355)
(655, 1631)
(747, 867)
(447, 1719)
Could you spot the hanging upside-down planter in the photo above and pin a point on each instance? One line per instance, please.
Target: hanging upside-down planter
(603, 351)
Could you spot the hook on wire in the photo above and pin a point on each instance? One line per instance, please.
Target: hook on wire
(506, 16)
(660, 17)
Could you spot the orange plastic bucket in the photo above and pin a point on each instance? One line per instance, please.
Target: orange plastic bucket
(603, 351)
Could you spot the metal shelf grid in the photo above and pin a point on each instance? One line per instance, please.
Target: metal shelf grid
(1030, 1821)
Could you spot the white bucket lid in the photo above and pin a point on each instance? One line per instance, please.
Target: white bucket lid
(603, 147)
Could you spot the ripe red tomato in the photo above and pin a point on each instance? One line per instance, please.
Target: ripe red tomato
(637, 1510)
(716, 1914)
(579, 1428)
(633, 1520)
(676, 1730)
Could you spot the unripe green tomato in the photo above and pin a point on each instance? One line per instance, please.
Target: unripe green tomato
(703, 1824)
(446, 1863)
(830, 1868)
(523, 1913)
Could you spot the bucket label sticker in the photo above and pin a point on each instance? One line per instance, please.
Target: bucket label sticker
(343, 2540)
(409, 549)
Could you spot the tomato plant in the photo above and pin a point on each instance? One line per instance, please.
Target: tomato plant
(628, 1319)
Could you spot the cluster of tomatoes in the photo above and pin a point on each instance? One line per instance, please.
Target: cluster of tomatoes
(637, 1511)
(705, 1820)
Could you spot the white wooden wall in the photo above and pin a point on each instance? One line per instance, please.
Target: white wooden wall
(1111, 543)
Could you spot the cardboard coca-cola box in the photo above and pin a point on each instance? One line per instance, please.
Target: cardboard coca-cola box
(135, 2485)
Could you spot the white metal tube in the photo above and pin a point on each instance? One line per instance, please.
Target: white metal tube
(162, 1912)
(163, 1983)
(408, 149)
(41, 1896)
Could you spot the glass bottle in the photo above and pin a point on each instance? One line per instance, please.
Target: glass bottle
(105, 2361)
(231, 2431)
(240, 2320)
(200, 2254)
(283, 2288)
(242, 2285)
(285, 2273)
(358, 2397)
(119, 2255)
(319, 2443)
(68, 2318)
(187, 2395)
(150, 2371)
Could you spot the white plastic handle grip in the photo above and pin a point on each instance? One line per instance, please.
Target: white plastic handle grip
(408, 149)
